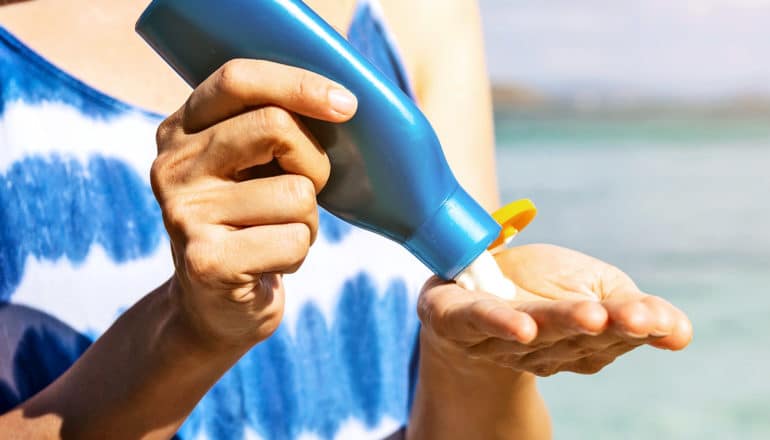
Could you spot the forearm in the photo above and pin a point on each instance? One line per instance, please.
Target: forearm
(479, 401)
(140, 380)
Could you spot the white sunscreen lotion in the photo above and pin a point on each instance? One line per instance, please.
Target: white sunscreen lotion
(484, 274)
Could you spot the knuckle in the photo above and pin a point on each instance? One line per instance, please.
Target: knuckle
(441, 322)
(165, 172)
(308, 87)
(201, 262)
(157, 176)
(231, 77)
(165, 132)
(177, 213)
(299, 191)
(425, 308)
(311, 220)
(296, 239)
(275, 121)
(168, 169)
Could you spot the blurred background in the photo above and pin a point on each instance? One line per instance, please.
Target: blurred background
(642, 132)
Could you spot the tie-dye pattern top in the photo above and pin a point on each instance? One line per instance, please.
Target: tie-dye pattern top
(81, 240)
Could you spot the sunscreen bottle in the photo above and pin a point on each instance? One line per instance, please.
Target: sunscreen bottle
(388, 171)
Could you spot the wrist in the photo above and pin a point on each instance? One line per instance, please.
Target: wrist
(460, 398)
(450, 362)
(193, 330)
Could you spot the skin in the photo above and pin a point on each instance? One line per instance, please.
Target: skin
(479, 353)
(236, 226)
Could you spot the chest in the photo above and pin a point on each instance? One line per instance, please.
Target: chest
(118, 62)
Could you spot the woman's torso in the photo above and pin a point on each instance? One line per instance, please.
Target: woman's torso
(81, 239)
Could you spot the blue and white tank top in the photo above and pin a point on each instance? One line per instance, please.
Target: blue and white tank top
(81, 240)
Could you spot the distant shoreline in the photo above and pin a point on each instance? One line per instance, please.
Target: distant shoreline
(514, 99)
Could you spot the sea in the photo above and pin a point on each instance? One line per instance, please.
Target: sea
(682, 204)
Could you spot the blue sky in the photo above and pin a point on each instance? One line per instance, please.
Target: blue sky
(678, 48)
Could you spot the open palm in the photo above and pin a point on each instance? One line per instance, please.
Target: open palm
(572, 313)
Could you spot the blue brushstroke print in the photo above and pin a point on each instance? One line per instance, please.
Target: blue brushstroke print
(322, 375)
(312, 381)
(56, 208)
(369, 35)
(332, 228)
(356, 367)
(30, 78)
(52, 207)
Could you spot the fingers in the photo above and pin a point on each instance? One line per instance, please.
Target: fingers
(236, 178)
(240, 118)
(662, 315)
(236, 258)
(631, 319)
(259, 136)
(579, 336)
(468, 318)
(504, 351)
(558, 322)
(559, 319)
(680, 335)
(242, 84)
(673, 328)
(649, 319)
(252, 203)
(494, 318)
(269, 249)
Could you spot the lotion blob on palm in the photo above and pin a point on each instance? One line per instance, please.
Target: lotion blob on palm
(485, 275)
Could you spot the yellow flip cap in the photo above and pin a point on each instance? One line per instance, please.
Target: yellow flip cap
(513, 217)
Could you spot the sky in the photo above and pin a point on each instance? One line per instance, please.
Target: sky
(668, 48)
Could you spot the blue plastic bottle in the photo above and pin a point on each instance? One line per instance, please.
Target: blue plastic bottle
(389, 174)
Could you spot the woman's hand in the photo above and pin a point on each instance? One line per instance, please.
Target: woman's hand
(236, 177)
(572, 313)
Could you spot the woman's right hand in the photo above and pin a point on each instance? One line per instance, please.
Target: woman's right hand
(237, 222)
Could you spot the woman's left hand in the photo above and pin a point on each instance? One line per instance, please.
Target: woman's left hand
(572, 313)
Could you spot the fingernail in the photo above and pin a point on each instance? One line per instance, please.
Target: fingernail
(342, 101)
(636, 335)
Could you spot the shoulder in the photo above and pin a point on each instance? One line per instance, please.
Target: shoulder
(425, 29)
(426, 23)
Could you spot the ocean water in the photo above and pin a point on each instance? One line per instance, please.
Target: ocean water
(683, 206)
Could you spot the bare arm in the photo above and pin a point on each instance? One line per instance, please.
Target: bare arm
(232, 239)
(453, 90)
(574, 313)
(455, 400)
(140, 380)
